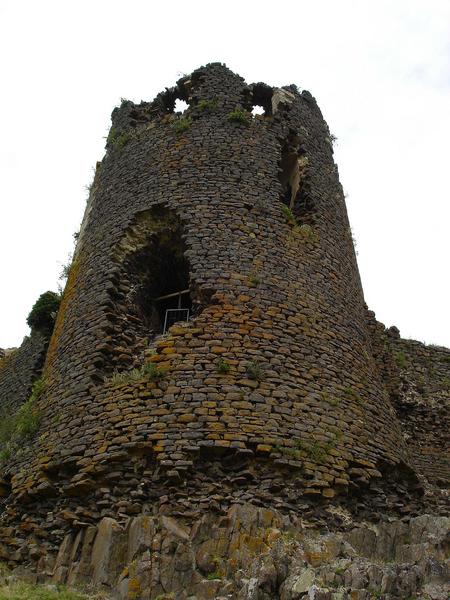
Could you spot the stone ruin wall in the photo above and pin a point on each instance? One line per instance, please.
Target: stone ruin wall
(323, 422)
(19, 368)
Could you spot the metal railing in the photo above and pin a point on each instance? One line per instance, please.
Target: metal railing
(173, 315)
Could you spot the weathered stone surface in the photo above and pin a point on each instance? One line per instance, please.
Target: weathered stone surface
(246, 556)
(19, 368)
(281, 392)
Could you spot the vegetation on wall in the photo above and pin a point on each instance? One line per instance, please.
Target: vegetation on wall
(181, 124)
(299, 231)
(23, 423)
(207, 105)
(239, 116)
(149, 371)
(43, 314)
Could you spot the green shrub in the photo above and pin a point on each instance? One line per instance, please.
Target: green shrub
(292, 452)
(181, 124)
(43, 314)
(306, 232)
(239, 116)
(123, 139)
(7, 427)
(153, 372)
(112, 135)
(149, 371)
(330, 399)
(205, 105)
(400, 359)
(5, 453)
(352, 395)
(223, 366)
(254, 279)
(255, 371)
(317, 451)
(213, 575)
(21, 424)
(288, 214)
(118, 138)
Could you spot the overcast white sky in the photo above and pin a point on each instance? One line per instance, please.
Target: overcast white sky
(380, 71)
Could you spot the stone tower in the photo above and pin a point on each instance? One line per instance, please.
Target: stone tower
(213, 344)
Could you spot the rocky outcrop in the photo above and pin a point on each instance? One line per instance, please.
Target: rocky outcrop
(255, 554)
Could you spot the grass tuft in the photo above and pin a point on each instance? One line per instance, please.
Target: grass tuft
(27, 591)
(255, 371)
(223, 366)
(181, 124)
(239, 116)
(149, 371)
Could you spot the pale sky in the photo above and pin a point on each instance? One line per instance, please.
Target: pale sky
(380, 71)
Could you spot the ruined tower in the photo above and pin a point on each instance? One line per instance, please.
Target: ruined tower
(213, 345)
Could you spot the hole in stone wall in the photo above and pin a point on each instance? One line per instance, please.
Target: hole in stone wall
(175, 99)
(257, 110)
(289, 177)
(261, 99)
(294, 180)
(180, 106)
(160, 281)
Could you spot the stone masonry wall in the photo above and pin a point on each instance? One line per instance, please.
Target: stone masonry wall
(302, 415)
(303, 321)
(18, 370)
(417, 377)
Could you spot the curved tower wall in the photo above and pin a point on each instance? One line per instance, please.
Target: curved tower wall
(278, 301)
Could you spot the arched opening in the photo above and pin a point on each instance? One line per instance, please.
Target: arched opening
(174, 99)
(155, 276)
(289, 177)
(294, 179)
(160, 281)
(261, 99)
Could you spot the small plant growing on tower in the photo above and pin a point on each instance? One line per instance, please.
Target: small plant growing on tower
(255, 371)
(153, 372)
(181, 124)
(254, 279)
(329, 399)
(5, 453)
(207, 105)
(22, 424)
(290, 218)
(149, 371)
(112, 135)
(223, 366)
(65, 268)
(353, 395)
(239, 116)
(317, 451)
(400, 359)
(118, 138)
(306, 232)
(123, 140)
